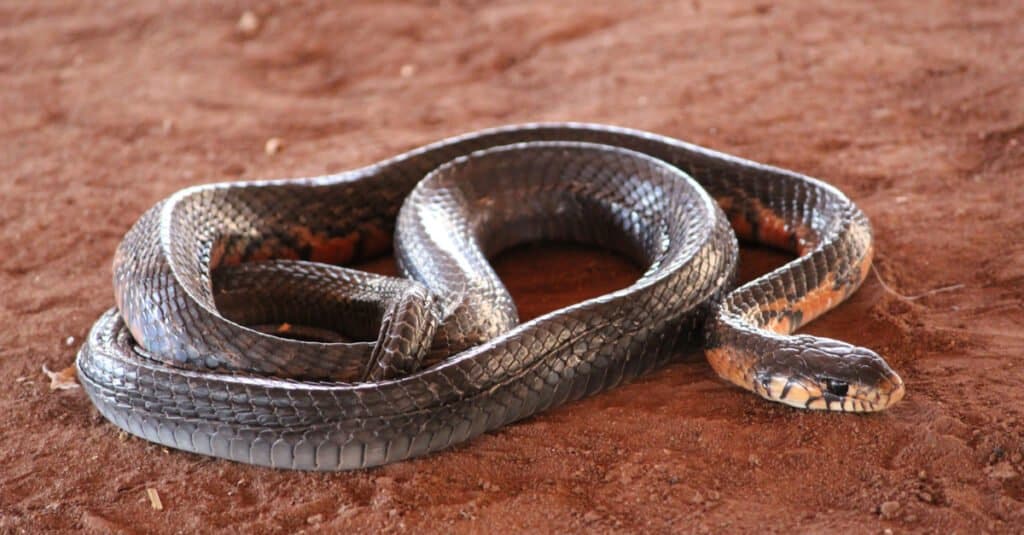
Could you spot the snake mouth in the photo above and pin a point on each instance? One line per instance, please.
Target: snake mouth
(833, 395)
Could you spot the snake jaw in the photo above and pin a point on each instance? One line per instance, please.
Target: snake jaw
(814, 394)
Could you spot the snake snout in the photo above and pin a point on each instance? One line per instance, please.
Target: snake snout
(860, 382)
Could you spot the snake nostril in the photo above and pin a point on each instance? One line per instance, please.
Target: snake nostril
(839, 388)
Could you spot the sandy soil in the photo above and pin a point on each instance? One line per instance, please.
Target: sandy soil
(914, 108)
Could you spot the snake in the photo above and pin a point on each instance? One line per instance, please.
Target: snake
(243, 331)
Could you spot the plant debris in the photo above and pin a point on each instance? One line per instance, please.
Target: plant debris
(62, 380)
(154, 499)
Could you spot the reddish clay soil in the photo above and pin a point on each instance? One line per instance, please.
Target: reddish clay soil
(915, 109)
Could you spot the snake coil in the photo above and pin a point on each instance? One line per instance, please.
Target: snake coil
(238, 334)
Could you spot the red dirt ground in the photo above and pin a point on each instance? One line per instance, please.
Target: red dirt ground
(914, 108)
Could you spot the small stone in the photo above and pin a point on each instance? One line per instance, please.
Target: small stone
(315, 519)
(911, 518)
(888, 509)
(925, 497)
(591, 516)
(754, 460)
(697, 498)
(97, 523)
(70, 341)
(881, 113)
(273, 146)
(922, 475)
(1001, 470)
(407, 70)
(248, 24)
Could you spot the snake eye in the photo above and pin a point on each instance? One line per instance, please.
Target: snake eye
(836, 387)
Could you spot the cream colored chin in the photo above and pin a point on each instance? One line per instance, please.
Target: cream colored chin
(798, 397)
(846, 405)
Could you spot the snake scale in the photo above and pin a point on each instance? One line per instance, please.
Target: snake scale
(238, 333)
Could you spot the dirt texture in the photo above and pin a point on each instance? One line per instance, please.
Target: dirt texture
(914, 108)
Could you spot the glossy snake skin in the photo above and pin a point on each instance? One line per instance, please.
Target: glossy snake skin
(237, 333)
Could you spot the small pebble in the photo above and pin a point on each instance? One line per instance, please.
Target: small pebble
(881, 113)
(315, 519)
(591, 516)
(1001, 470)
(248, 24)
(273, 146)
(407, 70)
(70, 341)
(889, 508)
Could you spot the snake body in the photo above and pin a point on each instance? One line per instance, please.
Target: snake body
(364, 369)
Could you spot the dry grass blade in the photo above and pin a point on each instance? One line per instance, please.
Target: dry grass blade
(62, 380)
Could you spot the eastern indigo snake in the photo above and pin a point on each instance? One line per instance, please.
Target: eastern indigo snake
(237, 333)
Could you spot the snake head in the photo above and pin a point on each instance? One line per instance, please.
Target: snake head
(824, 374)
